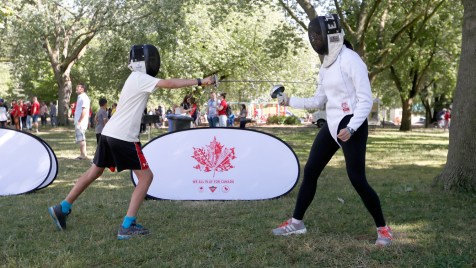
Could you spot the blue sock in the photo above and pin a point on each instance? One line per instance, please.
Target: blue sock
(128, 221)
(65, 206)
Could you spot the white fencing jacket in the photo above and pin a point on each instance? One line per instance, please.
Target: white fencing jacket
(343, 89)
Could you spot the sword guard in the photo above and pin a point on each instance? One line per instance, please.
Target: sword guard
(276, 90)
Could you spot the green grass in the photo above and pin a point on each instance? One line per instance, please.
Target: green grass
(432, 228)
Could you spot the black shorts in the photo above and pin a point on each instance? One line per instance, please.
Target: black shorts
(120, 154)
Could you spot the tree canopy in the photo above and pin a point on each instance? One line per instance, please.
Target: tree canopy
(238, 41)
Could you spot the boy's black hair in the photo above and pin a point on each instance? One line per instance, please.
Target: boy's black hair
(102, 102)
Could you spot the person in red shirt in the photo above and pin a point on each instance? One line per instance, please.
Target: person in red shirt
(73, 108)
(222, 117)
(447, 117)
(35, 112)
(17, 113)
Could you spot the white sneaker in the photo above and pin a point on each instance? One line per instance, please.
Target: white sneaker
(288, 228)
(385, 236)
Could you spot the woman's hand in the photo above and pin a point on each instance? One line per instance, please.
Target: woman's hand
(344, 135)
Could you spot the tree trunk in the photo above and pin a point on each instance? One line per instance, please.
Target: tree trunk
(459, 173)
(406, 114)
(428, 116)
(64, 96)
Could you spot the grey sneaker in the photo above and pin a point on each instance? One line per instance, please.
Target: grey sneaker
(288, 228)
(58, 216)
(134, 230)
(385, 236)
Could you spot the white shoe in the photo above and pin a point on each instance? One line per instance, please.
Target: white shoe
(288, 228)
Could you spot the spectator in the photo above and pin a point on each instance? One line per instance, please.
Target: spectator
(26, 116)
(113, 109)
(243, 114)
(17, 113)
(53, 114)
(92, 115)
(151, 112)
(160, 113)
(35, 112)
(212, 115)
(81, 120)
(101, 118)
(186, 105)
(142, 125)
(73, 109)
(222, 118)
(194, 111)
(3, 114)
(43, 113)
(447, 117)
(230, 122)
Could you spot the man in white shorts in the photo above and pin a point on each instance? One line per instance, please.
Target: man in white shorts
(81, 119)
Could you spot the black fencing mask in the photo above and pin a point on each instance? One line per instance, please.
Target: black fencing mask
(323, 31)
(144, 58)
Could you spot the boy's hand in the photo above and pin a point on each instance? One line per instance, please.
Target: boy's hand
(208, 81)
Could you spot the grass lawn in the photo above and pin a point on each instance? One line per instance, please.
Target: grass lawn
(432, 228)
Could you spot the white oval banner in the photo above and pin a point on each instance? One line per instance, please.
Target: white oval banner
(28, 163)
(220, 164)
(54, 167)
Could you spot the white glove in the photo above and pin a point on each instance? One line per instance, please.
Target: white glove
(283, 99)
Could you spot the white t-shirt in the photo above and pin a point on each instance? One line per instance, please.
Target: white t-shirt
(83, 102)
(125, 123)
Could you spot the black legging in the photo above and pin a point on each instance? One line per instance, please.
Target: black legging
(322, 150)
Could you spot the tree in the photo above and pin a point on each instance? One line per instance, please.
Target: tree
(459, 173)
(62, 30)
(429, 63)
(383, 34)
(240, 41)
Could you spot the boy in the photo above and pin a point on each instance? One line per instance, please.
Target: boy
(101, 118)
(119, 145)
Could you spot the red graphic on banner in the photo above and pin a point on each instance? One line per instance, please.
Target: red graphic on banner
(225, 189)
(214, 157)
(212, 188)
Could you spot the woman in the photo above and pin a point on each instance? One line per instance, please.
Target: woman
(186, 105)
(222, 105)
(194, 112)
(344, 89)
(243, 114)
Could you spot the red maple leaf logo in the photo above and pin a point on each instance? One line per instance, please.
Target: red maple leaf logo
(214, 157)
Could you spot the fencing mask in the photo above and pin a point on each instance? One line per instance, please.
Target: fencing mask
(144, 58)
(326, 37)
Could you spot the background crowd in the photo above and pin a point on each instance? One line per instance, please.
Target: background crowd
(33, 115)
(27, 114)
